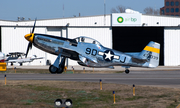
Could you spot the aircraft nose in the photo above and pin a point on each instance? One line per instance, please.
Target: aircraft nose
(29, 37)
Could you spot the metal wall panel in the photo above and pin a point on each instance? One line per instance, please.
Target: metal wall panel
(172, 46)
(150, 20)
(54, 31)
(74, 21)
(77, 21)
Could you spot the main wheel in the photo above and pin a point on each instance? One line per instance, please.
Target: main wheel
(61, 69)
(127, 71)
(53, 69)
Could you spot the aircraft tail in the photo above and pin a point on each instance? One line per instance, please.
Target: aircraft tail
(151, 54)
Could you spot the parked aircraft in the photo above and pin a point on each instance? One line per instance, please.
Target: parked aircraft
(2, 57)
(89, 52)
(17, 57)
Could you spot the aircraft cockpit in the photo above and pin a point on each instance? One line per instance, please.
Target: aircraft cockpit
(87, 40)
(14, 55)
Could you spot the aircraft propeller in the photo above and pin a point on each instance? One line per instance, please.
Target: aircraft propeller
(28, 37)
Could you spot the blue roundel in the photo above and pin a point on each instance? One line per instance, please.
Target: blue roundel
(108, 55)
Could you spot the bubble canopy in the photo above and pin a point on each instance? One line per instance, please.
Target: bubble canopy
(87, 40)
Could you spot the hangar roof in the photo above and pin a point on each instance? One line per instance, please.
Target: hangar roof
(96, 21)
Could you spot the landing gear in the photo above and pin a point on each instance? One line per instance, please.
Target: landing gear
(61, 66)
(127, 71)
(53, 69)
(58, 67)
(60, 70)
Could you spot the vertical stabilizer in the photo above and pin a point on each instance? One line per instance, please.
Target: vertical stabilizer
(151, 54)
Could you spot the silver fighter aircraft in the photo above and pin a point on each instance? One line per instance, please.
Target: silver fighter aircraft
(89, 52)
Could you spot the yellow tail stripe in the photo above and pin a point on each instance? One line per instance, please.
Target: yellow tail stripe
(148, 48)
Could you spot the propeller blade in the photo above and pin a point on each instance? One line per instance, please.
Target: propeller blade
(27, 51)
(29, 47)
(30, 44)
(34, 26)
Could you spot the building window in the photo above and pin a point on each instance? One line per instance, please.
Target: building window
(167, 10)
(172, 15)
(177, 15)
(172, 3)
(177, 3)
(172, 10)
(167, 3)
(177, 9)
(162, 11)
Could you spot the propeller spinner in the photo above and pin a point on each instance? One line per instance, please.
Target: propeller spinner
(30, 37)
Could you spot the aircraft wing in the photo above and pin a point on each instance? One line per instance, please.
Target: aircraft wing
(36, 58)
(85, 58)
(11, 61)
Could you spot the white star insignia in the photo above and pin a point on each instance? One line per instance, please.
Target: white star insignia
(108, 55)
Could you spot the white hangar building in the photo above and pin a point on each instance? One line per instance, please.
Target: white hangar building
(126, 32)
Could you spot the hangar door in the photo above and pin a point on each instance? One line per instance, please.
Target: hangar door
(172, 46)
(134, 39)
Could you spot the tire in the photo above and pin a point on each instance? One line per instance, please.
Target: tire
(53, 69)
(126, 71)
(60, 70)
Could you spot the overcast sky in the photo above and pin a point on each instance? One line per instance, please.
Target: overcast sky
(47, 9)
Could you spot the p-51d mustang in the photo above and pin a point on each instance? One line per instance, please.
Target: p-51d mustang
(89, 52)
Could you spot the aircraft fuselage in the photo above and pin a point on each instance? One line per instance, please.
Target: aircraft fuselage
(98, 55)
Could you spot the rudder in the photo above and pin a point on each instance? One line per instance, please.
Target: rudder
(151, 54)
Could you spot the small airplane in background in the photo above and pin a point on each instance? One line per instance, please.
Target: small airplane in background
(89, 52)
(14, 55)
(17, 57)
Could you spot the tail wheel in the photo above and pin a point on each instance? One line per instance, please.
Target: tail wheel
(127, 71)
(21, 64)
(53, 69)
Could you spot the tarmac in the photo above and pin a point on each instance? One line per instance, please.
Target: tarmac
(116, 68)
(162, 76)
